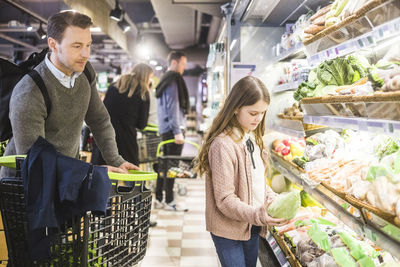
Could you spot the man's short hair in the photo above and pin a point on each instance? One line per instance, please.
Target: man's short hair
(175, 55)
(57, 23)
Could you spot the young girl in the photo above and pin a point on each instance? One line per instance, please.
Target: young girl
(232, 159)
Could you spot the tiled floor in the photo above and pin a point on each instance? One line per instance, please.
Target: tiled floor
(180, 238)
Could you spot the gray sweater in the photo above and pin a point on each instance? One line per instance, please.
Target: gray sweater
(62, 127)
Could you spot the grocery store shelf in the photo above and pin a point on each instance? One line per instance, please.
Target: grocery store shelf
(286, 87)
(288, 131)
(354, 39)
(327, 199)
(361, 124)
(297, 51)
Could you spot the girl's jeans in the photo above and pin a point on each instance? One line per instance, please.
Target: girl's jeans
(234, 253)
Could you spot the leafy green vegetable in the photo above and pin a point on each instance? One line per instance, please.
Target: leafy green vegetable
(285, 205)
(300, 161)
(386, 147)
(376, 171)
(377, 82)
(326, 90)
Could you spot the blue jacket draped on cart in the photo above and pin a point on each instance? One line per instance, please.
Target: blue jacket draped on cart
(57, 188)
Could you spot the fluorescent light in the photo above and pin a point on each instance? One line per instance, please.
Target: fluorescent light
(153, 62)
(233, 44)
(158, 67)
(95, 29)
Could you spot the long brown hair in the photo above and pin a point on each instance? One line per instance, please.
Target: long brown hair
(246, 92)
(138, 78)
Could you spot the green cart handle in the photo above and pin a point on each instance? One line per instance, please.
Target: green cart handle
(173, 141)
(150, 128)
(132, 176)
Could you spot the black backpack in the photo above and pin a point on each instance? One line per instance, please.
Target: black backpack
(10, 74)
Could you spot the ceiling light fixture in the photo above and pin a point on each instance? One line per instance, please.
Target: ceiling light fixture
(124, 25)
(159, 68)
(116, 13)
(41, 32)
(153, 62)
(28, 25)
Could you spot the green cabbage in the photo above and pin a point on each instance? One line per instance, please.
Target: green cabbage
(285, 205)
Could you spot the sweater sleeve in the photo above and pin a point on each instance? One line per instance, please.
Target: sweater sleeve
(98, 120)
(222, 161)
(27, 114)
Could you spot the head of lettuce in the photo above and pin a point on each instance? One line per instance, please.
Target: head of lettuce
(285, 205)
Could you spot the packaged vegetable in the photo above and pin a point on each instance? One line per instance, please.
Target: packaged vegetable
(285, 205)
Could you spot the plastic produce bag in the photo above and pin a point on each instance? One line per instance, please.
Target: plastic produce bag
(319, 237)
(323, 261)
(285, 205)
(342, 257)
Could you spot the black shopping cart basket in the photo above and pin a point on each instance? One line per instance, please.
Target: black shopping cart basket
(117, 239)
(173, 166)
(147, 143)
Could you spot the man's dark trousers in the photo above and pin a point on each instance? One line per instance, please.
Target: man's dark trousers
(169, 149)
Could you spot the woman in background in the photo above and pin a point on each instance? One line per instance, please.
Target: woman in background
(128, 103)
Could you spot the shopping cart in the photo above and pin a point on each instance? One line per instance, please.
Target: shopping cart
(117, 239)
(148, 140)
(176, 167)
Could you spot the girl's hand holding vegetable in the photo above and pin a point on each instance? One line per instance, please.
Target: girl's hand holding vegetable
(274, 221)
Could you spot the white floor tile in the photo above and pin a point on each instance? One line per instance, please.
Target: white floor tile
(194, 228)
(192, 243)
(211, 261)
(169, 222)
(199, 217)
(156, 252)
(167, 235)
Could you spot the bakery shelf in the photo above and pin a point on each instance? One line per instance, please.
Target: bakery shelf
(286, 87)
(365, 29)
(337, 206)
(361, 124)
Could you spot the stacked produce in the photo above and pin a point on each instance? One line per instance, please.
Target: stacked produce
(289, 148)
(372, 174)
(334, 76)
(293, 111)
(317, 23)
(323, 241)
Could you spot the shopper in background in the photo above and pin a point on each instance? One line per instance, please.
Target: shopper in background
(73, 100)
(128, 102)
(173, 104)
(233, 161)
(153, 102)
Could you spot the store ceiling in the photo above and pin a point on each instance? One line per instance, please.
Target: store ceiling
(176, 24)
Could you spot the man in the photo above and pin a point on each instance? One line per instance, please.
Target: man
(73, 100)
(173, 103)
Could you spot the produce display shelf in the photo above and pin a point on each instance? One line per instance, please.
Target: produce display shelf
(361, 124)
(289, 131)
(297, 51)
(286, 87)
(326, 198)
(278, 251)
(324, 46)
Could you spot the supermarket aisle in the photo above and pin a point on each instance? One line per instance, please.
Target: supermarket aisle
(181, 239)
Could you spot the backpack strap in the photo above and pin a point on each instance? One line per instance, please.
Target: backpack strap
(87, 74)
(40, 83)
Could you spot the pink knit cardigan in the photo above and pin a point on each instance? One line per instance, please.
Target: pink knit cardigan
(229, 210)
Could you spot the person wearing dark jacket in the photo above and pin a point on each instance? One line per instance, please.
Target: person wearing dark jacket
(173, 104)
(128, 102)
